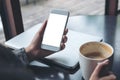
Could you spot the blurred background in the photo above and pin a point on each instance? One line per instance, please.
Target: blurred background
(36, 11)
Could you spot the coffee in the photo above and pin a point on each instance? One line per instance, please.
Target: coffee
(92, 53)
(95, 55)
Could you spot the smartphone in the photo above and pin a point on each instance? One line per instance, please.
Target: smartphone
(56, 25)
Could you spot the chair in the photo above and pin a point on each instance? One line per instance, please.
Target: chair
(11, 18)
(111, 7)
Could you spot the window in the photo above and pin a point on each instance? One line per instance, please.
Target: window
(11, 18)
(38, 12)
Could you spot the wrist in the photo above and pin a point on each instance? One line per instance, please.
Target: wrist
(21, 55)
(29, 53)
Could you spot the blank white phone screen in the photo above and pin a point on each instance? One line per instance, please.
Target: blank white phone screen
(54, 30)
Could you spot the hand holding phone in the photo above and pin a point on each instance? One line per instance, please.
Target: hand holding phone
(54, 30)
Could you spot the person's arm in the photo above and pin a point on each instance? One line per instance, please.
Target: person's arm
(33, 51)
(95, 74)
(21, 55)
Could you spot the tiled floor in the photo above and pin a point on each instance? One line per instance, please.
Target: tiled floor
(35, 13)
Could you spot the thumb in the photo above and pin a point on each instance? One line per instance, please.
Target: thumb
(42, 29)
(99, 67)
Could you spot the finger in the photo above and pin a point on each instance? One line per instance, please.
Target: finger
(99, 66)
(62, 46)
(64, 39)
(42, 29)
(66, 31)
(109, 77)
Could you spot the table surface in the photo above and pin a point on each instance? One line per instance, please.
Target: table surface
(107, 27)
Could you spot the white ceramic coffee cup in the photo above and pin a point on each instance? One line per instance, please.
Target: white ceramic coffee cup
(88, 62)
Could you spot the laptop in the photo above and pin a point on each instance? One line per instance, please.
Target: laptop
(67, 59)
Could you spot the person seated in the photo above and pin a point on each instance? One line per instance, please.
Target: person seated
(13, 63)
